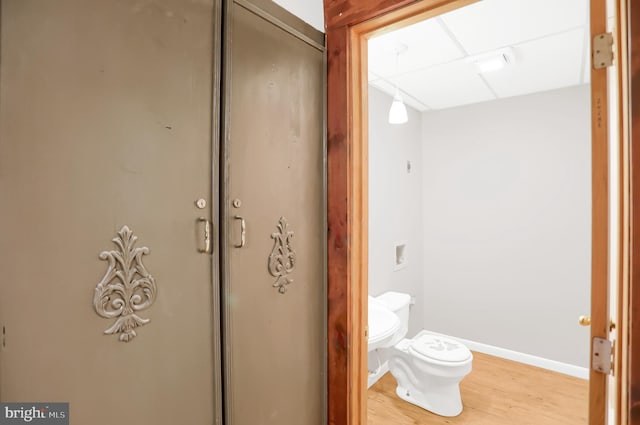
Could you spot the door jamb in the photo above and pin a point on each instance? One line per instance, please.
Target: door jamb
(622, 348)
(631, 373)
(600, 315)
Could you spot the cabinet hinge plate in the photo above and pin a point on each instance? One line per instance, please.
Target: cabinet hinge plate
(602, 355)
(602, 50)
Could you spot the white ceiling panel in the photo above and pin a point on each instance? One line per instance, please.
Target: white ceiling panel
(491, 24)
(427, 45)
(446, 86)
(437, 69)
(407, 98)
(544, 64)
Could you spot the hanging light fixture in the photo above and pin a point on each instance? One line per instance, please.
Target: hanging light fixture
(398, 111)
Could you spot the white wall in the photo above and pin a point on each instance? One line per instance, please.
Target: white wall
(395, 204)
(310, 11)
(507, 192)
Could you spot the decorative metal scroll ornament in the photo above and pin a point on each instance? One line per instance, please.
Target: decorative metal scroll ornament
(282, 259)
(127, 286)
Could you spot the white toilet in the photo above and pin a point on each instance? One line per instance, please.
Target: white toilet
(427, 367)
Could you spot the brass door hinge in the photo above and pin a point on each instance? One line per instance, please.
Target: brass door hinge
(602, 50)
(602, 355)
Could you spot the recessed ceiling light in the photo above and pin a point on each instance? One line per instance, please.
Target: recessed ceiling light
(493, 61)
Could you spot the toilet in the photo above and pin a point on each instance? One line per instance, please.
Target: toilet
(385, 328)
(428, 367)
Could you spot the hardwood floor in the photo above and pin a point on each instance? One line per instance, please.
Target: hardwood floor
(496, 392)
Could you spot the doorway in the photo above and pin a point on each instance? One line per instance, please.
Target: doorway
(348, 33)
(479, 204)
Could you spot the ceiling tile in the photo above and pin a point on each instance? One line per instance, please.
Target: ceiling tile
(446, 86)
(552, 51)
(491, 24)
(545, 64)
(427, 45)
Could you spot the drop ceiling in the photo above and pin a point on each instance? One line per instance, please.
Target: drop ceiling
(549, 40)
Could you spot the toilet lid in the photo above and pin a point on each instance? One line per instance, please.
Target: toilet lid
(439, 348)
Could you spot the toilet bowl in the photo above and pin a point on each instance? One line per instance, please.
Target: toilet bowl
(428, 367)
(386, 329)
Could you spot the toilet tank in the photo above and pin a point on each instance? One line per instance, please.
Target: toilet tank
(398, 302)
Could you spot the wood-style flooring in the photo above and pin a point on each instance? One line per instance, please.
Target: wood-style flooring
(496, 392)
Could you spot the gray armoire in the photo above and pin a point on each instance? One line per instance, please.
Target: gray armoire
(162, 212)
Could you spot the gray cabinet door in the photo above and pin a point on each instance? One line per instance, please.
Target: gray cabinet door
(274, 297)
(105, 122)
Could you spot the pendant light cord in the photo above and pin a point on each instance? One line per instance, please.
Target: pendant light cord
(397, 61)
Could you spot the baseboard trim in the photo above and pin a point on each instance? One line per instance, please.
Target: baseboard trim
(541, 362)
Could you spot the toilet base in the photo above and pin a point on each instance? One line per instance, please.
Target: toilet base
(431, 383)
(446, 402)
(375, 376)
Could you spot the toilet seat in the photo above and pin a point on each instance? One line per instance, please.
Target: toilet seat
(440, 349)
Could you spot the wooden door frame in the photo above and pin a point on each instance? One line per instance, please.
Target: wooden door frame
(631, 374)
(347, 22)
